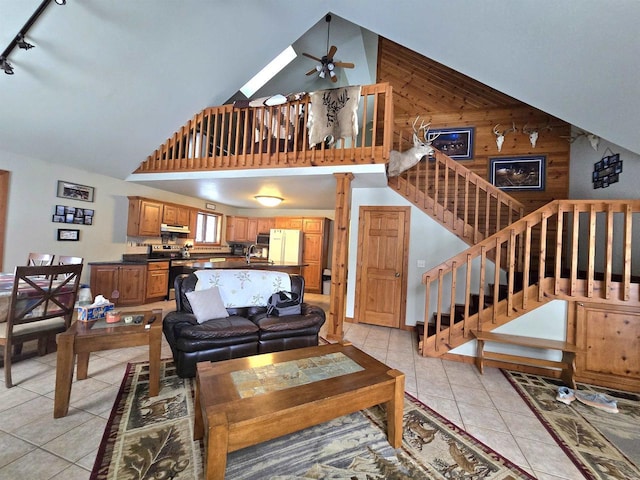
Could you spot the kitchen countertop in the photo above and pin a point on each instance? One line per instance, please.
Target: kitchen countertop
(201, 261)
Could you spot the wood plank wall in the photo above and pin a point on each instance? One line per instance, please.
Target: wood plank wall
(447, 99)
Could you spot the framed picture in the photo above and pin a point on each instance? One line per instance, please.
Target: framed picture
(457, 143)
(606, 171)
(68, 235)
(74, 191)
(78, 216)
(518, 173)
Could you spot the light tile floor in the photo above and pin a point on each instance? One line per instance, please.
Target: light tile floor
(34, 445)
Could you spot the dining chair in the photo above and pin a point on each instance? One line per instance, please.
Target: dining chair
(41, 305)
(67, 260)
(39, 259)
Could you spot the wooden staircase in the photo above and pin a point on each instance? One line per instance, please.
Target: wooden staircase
(575, 250)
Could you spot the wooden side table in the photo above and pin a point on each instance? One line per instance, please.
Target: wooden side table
(81, 339)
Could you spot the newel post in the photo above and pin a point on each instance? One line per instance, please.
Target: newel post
(340, 256)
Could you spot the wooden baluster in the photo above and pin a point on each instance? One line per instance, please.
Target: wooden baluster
(542, 260)
(609, 252)
(558, 257)
(481, 290)
(467, 296)
(427, 303)
(439, 309)
(487, 214)
(628, 226)
(511, 262)
(452, 302)
(476, 215)
(527, 265)
(466, 201)
(575, 232)
(592, 251)
(496, 281)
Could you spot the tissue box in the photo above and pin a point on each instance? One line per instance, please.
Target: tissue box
(88, 312)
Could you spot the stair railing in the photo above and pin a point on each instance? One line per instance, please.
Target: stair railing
(464, 202)
(230, 137)
(579, 250)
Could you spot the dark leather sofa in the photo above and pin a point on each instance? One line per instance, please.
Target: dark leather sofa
(247, 330)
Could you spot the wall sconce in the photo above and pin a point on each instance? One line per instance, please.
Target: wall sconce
(19, 40)
(269, 200)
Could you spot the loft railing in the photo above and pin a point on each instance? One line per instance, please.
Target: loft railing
(464, 202)
(578, 250)
(227, 137)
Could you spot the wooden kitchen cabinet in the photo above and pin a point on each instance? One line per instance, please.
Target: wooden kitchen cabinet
(175, 215)
(237, 229)
(121, 284)
(293, 223)
(265, 224)
(145, 217)
(157, 281)
(252, 229)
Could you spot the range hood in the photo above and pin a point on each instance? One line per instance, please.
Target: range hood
(164, 228)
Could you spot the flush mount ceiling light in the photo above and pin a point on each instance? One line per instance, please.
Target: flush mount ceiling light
(19, 40)
(269, 200)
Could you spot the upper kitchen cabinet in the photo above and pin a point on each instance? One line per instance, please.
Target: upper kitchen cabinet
(265, 224)
(293, 223)
(145, 217)
(175, 215)
(237, 229)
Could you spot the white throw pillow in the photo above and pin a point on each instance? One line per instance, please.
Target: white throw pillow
(207, 304)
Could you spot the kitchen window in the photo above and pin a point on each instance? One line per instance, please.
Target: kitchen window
(208, 228)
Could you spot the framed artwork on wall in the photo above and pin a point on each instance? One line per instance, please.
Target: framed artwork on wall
(607, 171)
(79, 216)
(518, 173)
(456, 143)
(74, 191)
(68, 235)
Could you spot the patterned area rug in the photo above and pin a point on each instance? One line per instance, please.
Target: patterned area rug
(152, 438)
(602, 445)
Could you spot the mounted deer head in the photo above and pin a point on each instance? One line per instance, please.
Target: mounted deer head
(594, 140)
(500, 135)
(401, 161)
(533, 134)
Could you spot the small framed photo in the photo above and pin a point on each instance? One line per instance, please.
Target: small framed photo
(75, 191)
(60, 210)
(457, 143)
(58, 219)
(88, 220)
(518, 173)
(68, 235)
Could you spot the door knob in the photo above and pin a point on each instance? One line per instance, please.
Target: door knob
(397, 274)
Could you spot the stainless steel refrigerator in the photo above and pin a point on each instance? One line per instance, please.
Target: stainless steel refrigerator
(285, 246)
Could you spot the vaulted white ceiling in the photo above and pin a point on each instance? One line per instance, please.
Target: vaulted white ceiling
(110, 80)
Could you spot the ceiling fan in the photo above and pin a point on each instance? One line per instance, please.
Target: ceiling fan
(326, 65)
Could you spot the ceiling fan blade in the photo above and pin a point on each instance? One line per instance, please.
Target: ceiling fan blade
(312, 57)
(344, 64)
(332, 51)
(312, 71)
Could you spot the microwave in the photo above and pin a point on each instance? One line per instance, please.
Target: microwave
(262, 239)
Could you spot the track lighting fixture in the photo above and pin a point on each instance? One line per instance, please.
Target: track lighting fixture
(19, 40)
(22, 43)
(6, 66)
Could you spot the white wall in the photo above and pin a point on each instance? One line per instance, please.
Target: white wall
(32, 200)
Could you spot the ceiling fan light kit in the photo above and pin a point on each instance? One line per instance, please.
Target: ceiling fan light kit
(327, 65)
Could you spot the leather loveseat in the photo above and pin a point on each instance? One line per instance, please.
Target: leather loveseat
(246, 331)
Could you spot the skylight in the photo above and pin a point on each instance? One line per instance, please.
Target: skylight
(268, 72)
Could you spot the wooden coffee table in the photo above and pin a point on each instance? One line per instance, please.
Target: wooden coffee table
(82, 338)
(246, 401)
